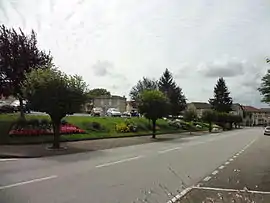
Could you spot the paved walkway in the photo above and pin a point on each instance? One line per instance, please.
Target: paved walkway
(41, 150)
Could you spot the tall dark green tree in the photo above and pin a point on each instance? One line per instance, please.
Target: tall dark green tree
(19, 54)
(141, 86)
(177, 99)
(222, 102)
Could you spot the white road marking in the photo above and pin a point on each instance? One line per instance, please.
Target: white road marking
(180, 195)
(221, 167)
(207, 178)
(215, 172)
(230, 159)
(117, 162)
(230, 190)
(3, 160)
(168, 150)
(234, 156)
(27, 182)
(226, 163)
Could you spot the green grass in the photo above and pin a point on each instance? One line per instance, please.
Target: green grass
(107, 123)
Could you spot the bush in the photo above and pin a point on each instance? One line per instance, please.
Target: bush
(64, 122)
(93, 126)
(45, 124)
(175, 123)
(122, 128)
(34, 123)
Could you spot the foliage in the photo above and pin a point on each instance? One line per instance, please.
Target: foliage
(142, 85)
(122, 128)
(19, 54)
(173, 92)
(222, 101)
(209, 116)
(264, 88)
(55, 93)
(98, 92)
(190, 115)
(153, 105)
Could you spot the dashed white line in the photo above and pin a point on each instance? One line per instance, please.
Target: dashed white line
(230, 159)
(221, 167)
(3, 160)
(234, 156)
(215, 172)
(168, 150)
(207, 178)
(226, 163)
(27, 182)
(180, 195)
(117, 162)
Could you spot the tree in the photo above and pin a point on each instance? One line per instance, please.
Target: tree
(153, 105)
(19, 54)
(264, 88)
(173, 92)
(222, 102)
(98, 92)
(209, 116)
(142, 85)
(190, 115)
(55, 93)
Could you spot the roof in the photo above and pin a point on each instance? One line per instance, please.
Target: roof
(110, 97)
(250, 109)
(235, 106)
(201, 105)
(266, 110)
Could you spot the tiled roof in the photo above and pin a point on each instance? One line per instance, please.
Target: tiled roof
(250, 109)
(201, 105)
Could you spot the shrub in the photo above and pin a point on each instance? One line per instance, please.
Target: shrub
(175, 123)
(64, 122)
(122, 128)
(20, 123)
(45, 124)
(34, 123)
(93, 126)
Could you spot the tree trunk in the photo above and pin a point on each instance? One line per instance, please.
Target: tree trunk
(210, 127)
(56, 132)
(22, 114)
(154, 129)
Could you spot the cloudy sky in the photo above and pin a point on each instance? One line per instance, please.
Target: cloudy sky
(114, 43)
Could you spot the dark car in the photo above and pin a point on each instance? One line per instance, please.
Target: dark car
(6, 108)
(134, 113)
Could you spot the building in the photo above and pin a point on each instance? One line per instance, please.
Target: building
(237, 109)
(263, 117)
(199, 107)
(106, 102)
(131, 106)
(251, 116)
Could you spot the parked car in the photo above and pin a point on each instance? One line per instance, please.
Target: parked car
(126, 114)
(6, 107)
(267, 130)
(16, 106)
(97, 111)
(114, 112)
(134, 113)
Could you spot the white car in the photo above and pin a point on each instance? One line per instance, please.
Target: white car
(114, 112)
(267, 130)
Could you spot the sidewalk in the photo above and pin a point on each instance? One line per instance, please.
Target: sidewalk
(34, 151)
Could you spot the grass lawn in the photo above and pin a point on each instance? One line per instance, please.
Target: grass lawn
(108, 128)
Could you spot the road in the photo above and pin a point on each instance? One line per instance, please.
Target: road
(153, 172)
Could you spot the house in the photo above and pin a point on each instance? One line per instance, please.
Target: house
(106, 102)
(199, 107)
(263, 117)
(251, 116)
(237, 109)
(131, 106)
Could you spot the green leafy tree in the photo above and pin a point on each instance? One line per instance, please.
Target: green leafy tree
(55, 93)
(209, 116)
(98, 92)
(190, 115)
(19, 54)
(173, 92)
(141, 86)
(153, 105)
(222, 102)
(264, 88)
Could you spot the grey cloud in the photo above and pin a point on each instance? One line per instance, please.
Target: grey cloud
(101, 68)
(222, 69)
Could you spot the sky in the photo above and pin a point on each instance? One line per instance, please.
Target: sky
(114, 43)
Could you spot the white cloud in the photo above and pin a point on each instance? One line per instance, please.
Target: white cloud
(141, 38)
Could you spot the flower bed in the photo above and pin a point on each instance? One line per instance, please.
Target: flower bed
(29, 130)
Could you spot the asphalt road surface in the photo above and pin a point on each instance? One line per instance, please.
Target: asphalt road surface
(153, 172)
